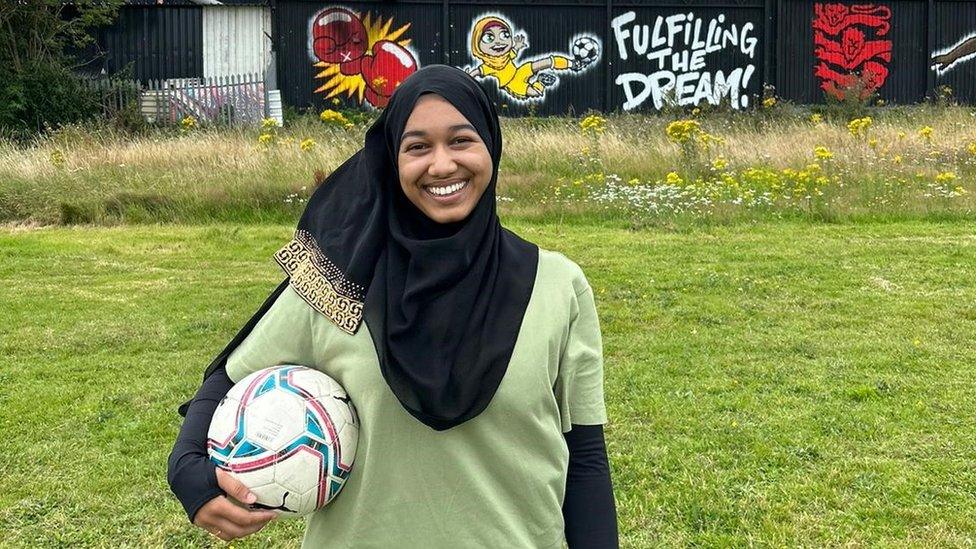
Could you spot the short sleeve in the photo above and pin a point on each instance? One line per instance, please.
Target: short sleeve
(579, 385)
(282, 336)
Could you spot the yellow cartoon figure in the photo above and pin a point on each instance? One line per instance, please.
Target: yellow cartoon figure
(492, 43)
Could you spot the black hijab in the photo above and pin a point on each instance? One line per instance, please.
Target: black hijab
(443, 302)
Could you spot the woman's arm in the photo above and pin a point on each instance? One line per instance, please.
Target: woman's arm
(190, 473)
(589, 511)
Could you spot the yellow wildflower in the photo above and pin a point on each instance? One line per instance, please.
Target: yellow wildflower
(959, 191)
(901, 135)
(859, 126)
(307, 144)
(769, 102)
(822, 153)
(945, 177)
(333, 117)
(265, 138)
(816, 118)
(188, 123)
(696, 111)
(634, 182)
(720, 163)
(926, 132)
(57, 158)
(680, 131)
(972, 148)
(593, 124)
(896, 159)
(335, 101)
(269, 123)
(872, 143)
(674, 179)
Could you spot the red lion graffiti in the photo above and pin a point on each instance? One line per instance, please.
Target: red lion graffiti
(341, 41)
(843, 49)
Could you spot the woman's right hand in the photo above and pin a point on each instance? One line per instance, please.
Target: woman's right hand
(226, 517)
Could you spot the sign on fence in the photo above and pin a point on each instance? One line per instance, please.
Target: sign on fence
(235, 100)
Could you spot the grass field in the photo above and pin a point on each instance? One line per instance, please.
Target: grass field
(768, 384)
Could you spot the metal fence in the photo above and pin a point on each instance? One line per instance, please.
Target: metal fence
(230, 100)
(227, 100)
(112, 94)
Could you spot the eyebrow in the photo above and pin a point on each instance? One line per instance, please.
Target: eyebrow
(422, 133)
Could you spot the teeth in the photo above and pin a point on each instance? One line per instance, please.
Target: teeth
(450, 189)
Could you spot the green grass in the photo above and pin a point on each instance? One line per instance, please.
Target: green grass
(773, 384)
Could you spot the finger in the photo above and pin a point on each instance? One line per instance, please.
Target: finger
(234, 488)
(245, 517)
(228, 530)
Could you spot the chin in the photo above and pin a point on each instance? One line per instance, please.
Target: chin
(452, 216)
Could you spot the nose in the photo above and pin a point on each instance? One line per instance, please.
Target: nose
(442, 164)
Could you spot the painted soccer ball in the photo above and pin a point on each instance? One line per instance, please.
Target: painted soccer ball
(288, 433)
(586, 49)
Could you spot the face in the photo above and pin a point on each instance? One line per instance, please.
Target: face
(444, 165)
(495, 41)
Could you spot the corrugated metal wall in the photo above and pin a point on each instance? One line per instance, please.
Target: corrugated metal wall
(713, 54)
(236, 40)
(545, 34)
(158, 42)
(708, 49)
(898, 27)
(732, 66)
(297, 73)
(954, 26)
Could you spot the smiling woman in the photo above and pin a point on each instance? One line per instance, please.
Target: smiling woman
(443, 164)
(473, 358)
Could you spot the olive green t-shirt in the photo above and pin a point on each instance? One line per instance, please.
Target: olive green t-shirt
(497, 480)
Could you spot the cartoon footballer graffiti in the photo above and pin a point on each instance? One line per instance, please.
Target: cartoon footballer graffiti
(495, 45)
(359, 56)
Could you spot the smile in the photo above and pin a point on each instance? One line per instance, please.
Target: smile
(446, 190)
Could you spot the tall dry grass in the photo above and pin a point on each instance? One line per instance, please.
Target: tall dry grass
(92, 174)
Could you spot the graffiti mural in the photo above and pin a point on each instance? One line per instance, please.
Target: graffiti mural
(846, 44)
(678, 48)
(945, 59)
(497, 50)
(359, 56)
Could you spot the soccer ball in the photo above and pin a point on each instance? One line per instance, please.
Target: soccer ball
(585, 50)
(289, 434)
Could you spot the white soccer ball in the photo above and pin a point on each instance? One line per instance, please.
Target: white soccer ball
(289, 434)
(586, 49)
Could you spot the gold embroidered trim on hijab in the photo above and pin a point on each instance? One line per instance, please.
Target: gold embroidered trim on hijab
(321, 283)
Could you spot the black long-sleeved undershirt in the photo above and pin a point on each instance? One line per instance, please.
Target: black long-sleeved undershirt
(588, 508)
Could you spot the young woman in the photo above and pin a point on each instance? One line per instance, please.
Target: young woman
(473, 358)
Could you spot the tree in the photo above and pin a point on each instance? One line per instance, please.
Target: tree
(38, 39)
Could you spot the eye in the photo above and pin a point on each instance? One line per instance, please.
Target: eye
(488, 38)
(506, 35)
(415, 146)
(462, 140)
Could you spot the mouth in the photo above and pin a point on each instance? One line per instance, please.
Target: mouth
(446, 192)
(499, 49)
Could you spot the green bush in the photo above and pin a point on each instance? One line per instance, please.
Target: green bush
(45, 95)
